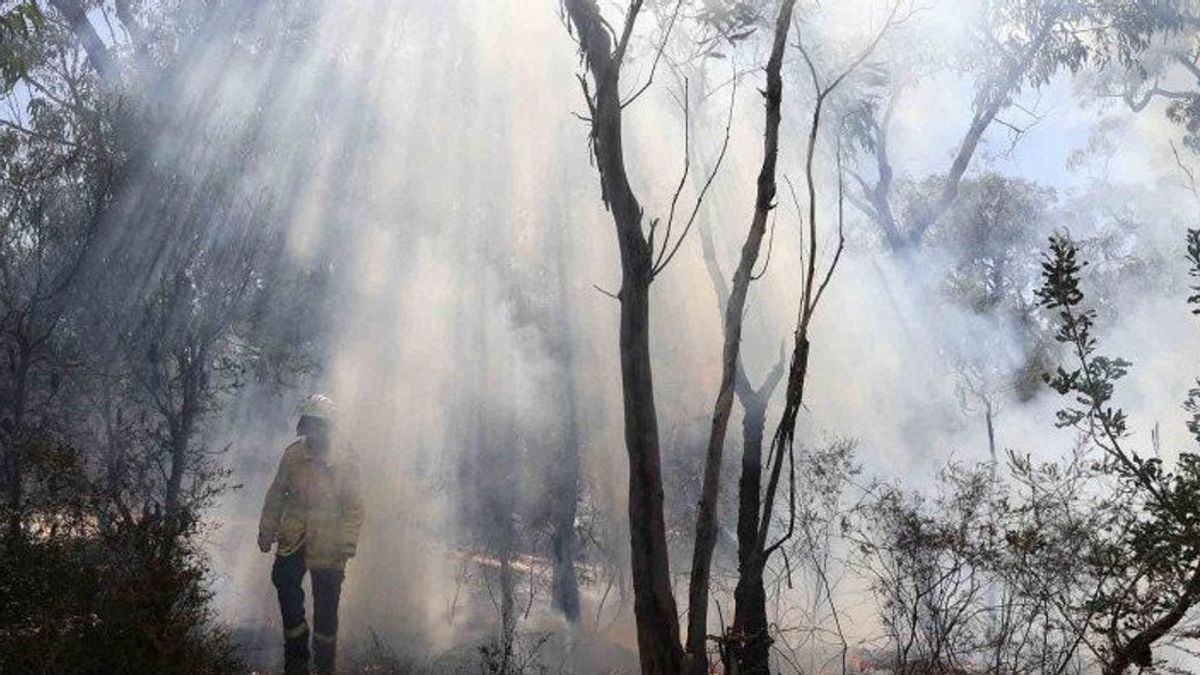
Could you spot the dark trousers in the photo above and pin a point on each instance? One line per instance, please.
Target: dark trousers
(287, 574)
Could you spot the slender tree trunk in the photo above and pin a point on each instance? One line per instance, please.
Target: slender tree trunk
(182, 423)
(17, 439)
(750, 600)
(175, 478)
(706, 520)
(659, 647)
(750, 636)
(508, 607)
(181, 437)
(565, 583)
(654, 603)
(991, 432)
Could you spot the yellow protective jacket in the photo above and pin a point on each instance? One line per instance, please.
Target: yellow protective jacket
(314, 502)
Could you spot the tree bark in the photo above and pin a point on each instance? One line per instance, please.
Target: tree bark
(750, 638)
(15, 446)
(750, 604)
(565, 583)
(508, 606)
(567, 474)
(659, 647)
(182, 424)
(706, 520)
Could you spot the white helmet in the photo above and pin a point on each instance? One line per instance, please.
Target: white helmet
(317, 405)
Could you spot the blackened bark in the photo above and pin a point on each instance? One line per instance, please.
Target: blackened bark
(659, 647)
(565, 583)
(706, 520)
(15, 443)
(750, 640)
(654, 603)
(566, 475)
(750, 482)
(508, 606)
(750, 603)
(182, 423)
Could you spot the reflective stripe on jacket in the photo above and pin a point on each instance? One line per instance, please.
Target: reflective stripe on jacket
(315, 503)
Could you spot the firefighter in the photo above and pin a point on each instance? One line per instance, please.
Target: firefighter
(312, 514)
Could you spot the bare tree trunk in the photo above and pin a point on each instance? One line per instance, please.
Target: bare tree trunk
(991, 431)
(659, 647)
(15, 445)
(181, 423)
(565, 583)
(178, 452)
(706, 520)
(508, 609)
(750, 598)
(566, 476)
(750, 634)
(754, 404)
(654, 603)
(751, 639)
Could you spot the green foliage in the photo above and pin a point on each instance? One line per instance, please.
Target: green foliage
(1092, 382)
(18, 23)
(1193, 256)
(1030, 41)
(1186, 113)
(1146, 575)
(1192, 403)
(90, 591)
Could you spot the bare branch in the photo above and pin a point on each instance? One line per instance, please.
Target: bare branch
(657, 56)
(662, 262)
(687, 163)
(1187, 172)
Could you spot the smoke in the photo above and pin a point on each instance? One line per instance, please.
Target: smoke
(426, 162)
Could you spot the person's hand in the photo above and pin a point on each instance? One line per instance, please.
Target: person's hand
(265, 541)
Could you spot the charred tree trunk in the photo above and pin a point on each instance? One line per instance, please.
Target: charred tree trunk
(182, 422)
(750, 599)
(508, 607)
(567, 474)
(178, 452)
(15, 444)
(750, 637)
(654, 603)
(659, 647)
(706, 520)
(991, 431)
(565, 583)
